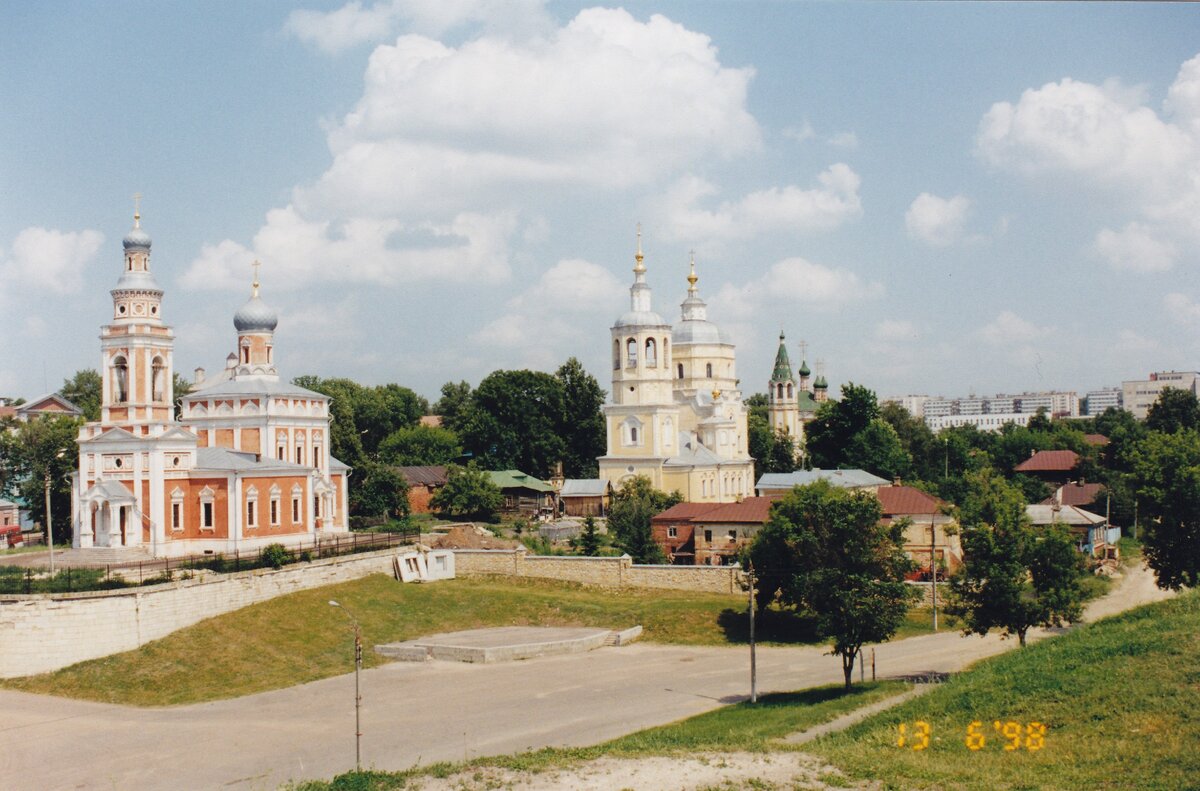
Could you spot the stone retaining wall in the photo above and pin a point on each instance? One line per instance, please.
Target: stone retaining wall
(606, 572)
(44, 632)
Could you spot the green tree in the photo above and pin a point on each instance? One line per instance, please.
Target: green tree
(589, 540)
(453, 405)
(37, 452)
(918, 441)
(757, 405)
(379, 491)
(1166, 475)
(1175, 410)
(836, 423)
(877, 448)
(181, 387)
(825, 553)
(345, 443)
(1013, 577)
(420, 445)
(469, 493)
(581, 424)
(772, 451)
(633, 506)
(514, 422)
(85, 390)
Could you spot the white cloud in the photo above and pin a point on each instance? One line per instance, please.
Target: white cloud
(559, 314)
(354, 24)
(1107, 134)
(435, 163)
(805, 132)
(937, 221)
(1009, 329)
(44, 259)
(896, 331)
(790, 283)
(1182, 308)
(843, 140)
(1132, 342)
(1135, 249)
(833, 203)
(296, 252)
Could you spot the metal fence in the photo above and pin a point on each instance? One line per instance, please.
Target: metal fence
(15, 580)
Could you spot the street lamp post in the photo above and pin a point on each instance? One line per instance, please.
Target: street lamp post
(357, 687)
(49, 526)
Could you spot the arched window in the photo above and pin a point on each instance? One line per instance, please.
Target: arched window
(245, 352)
(651, 353)
(681, 370)
(789, 390)
(779, 390)
(120, 381)
(631, 351)
(631, 431)
(708, 370)
(616, 355)
(158, 379)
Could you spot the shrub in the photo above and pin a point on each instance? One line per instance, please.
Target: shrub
(275, 556)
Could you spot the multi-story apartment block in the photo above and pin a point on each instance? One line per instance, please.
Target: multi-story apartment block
(1139, 394)
(1100, 400)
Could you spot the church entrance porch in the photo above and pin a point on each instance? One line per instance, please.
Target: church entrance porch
(110, 513)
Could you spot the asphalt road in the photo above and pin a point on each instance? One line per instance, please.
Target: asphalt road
(423, 713)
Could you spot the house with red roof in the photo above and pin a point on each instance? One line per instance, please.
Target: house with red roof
(1051, 466)
(931, 532)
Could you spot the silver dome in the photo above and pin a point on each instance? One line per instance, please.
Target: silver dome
(255, 316)
(136, 238)
(137, 281)
(695, 331)
(640, 318)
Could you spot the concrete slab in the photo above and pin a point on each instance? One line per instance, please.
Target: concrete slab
(504, 643)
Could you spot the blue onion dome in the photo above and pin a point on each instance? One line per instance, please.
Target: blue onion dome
(137, 238)
(255, 316)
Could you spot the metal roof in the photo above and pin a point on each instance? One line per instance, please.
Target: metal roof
(849, 479)
(246, 387)
(1067, 515)
(515, 479)
(239, 461)
(428, 475)
(584, 487)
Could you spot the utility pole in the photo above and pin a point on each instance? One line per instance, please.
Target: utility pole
(933, 567)
(357, 686)
(753, 666)
(49, 526)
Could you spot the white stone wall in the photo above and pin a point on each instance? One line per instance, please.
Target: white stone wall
(45, 632)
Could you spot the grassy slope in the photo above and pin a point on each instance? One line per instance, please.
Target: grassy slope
(1120, 698)
(739, 727)
(299, 638)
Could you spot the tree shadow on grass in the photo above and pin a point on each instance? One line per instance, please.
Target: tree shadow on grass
(770, 626)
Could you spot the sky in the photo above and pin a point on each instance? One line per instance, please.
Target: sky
(941, 198)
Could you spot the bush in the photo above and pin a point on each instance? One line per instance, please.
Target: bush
(275, 556)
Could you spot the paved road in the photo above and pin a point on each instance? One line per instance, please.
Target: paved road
(421, 713)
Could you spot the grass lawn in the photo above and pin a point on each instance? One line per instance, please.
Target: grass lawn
(299, 638)
(738, 727)
(1119, 698)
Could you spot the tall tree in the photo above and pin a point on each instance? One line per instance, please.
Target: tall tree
(1013, 578)
(84, 390)
(181, 387)
(1175, 410)
(513, 422)
(836, 423)
(918, 441)
(633, 506)
(468, 493)
(877, 449)
(589, 539)
(38, 453)
(1166, 474)
(420, 445)
(825, 553)
(379, 491)
(581, 425)
(453, 405)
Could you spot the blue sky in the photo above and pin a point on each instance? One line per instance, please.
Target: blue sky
(937, 198)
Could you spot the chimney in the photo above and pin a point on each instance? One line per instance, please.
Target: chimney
(198, 375)
(896, 481)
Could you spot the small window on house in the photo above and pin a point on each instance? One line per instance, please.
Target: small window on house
(672, 532)
(733, 535)
(708, 536)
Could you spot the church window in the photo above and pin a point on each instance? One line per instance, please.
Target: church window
(268, 355)
(317, 456)
(297, 501)
(245, 354)
(680, 370)
(299, 454)
(120, 385)
(177, 509)
(158, 379)
(633, 438)
(317, 507)
(708, 370)
(252, 507)
(789, 390)
(206, 508)
(651, 353)
(616, 355)
(631, 352)
(631, 431)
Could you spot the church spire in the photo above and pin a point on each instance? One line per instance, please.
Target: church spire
(783, 366)
(692, 278)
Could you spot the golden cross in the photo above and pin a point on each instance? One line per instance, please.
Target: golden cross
(256, 265)
(803, 349)
(137, 206)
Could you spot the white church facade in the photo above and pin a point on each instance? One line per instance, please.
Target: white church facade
(248, 464)
(677, 415)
